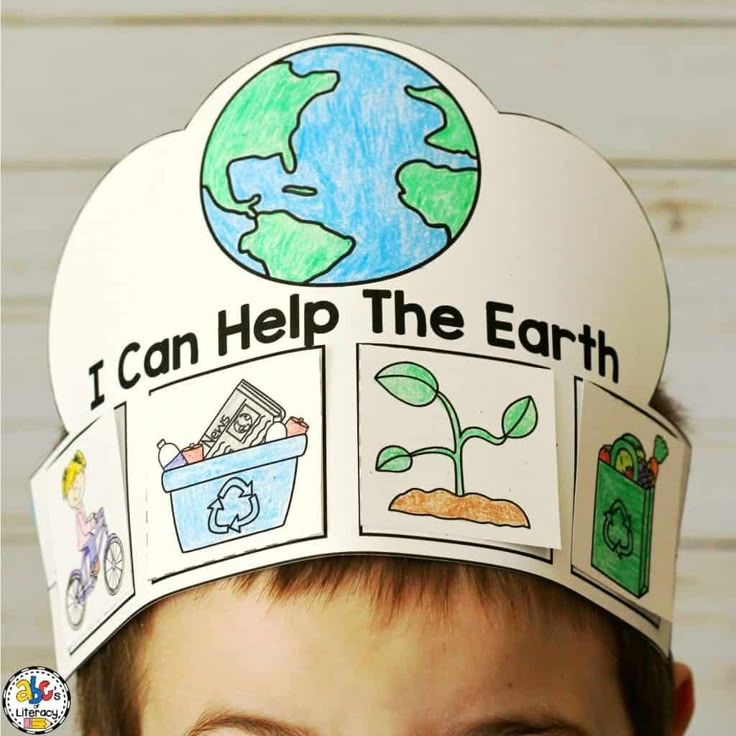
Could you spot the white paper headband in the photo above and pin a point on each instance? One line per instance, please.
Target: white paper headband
(352, 308)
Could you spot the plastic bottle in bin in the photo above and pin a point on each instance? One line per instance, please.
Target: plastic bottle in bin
(169, 455)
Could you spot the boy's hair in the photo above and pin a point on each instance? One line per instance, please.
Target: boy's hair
(76, 465)
(111, 684)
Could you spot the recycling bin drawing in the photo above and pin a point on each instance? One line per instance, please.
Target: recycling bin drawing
(233, 495)
(624, 509)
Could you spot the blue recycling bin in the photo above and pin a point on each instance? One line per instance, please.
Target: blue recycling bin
(233, 495)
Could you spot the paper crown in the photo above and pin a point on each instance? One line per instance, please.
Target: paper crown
(352, 308)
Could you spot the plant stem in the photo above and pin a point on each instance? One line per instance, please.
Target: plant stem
(457, 450)
(470, 433)
(459, 480)
(447, 453)
(433, 451)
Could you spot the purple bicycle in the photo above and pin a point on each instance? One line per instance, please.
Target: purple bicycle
(82, 580)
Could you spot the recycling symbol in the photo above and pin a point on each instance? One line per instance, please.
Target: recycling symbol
(235, 506)
(617, 532)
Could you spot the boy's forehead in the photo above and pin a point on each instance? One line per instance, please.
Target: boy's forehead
(326, 666)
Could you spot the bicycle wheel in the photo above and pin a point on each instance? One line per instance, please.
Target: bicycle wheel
(113, 564)
(75, 600)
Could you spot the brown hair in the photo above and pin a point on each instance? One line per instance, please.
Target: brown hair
(110, 685)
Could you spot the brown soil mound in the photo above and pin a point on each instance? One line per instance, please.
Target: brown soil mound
(443, 504)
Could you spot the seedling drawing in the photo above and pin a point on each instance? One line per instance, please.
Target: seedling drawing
(414, 385)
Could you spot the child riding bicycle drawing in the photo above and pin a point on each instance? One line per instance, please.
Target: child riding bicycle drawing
(94, 541)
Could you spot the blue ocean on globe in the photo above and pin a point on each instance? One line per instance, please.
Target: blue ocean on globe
(348, 148)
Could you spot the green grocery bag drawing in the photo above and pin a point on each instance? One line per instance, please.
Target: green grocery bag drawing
(624, 507)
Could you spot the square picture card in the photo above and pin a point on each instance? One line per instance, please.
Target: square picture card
(628, 496)
(233, 461)
(457, 447)
(80, 500)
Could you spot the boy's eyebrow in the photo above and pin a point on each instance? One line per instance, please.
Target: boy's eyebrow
(539, 725)
(254, 725)
(251, 725)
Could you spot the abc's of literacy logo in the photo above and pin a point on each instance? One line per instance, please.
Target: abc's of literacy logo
(36, 700)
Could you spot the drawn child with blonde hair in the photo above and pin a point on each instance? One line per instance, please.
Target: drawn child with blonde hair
(72, 488)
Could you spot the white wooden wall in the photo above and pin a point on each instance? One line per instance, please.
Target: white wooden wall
(649, 83)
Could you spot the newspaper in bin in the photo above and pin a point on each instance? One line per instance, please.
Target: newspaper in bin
(242, 421)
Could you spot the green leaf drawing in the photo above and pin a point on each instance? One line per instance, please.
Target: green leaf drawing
(409, 382)
(393, 459)
(660, 449)
(520, 418)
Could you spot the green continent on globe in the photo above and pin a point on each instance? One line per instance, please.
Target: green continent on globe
(260, 121)
(441, 195)
(294, 250)
(454, 134)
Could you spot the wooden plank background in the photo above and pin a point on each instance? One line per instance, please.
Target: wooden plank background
(569, 12)
(649, 83)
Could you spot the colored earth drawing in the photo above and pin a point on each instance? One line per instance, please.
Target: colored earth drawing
(339, 164)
